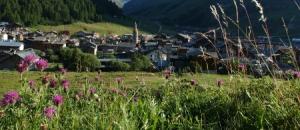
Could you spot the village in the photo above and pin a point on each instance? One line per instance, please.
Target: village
(189, 51)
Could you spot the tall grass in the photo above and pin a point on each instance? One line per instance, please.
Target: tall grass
(176, 104)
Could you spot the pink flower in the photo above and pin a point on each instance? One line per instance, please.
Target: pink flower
(92, 90)
(31, 84)
(193, 82)
(10, 98)
(53, 83)
(49, 112)
(65, 84)
(63, 71)
(242, 67)
(58, 100)
(30, 59)
(119, 80)
(296, 74)
(41, 64)
(22, 66)
(220, 83)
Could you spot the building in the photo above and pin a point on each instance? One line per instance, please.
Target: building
(10, 59)
(135, 35)
(11, 45)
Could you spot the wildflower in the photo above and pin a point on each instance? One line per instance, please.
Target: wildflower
(242, 67)
(297, 74)
(58, 100)
(30, 59)
(10, 98)
(31, 84)
(79, 95)
(45, 79)
(41, 64)
(49, 112)
(65, 84)
(220, 83)
(193, 82)
(92, 90)
(22, 66)
(53, 83)
(167, 74)
(119, 80)
(63, 71)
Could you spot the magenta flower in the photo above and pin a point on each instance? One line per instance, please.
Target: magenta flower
(53, 83)
(49, 112)
(58, 100)
(22, 66)
(30, 59)
(41, 64)
(10, 98)
(65, 84)
(220, 83)
(296, 74)
(193, 82)
(92, 90)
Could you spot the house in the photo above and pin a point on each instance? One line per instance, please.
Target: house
(10, 59)
(45, 41)
(159, 58)
(89, 47)
(11, 45)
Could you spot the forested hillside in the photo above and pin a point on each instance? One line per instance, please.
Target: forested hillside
(33, 12)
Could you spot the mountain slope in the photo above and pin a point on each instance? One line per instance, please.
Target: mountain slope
(197, 13)
(33, 12)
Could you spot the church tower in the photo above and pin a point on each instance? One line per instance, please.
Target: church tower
(136, 35)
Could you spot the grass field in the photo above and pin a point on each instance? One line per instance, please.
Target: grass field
(9, 80)
(102, 28)
(138, 100)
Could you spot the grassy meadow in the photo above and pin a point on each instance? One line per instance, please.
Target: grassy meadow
(101, 27)
(139, 100)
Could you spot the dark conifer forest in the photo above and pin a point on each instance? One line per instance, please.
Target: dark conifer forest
(33, 12)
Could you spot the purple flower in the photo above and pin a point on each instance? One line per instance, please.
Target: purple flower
(296, 74)
(49, 112)
(58, 100)
(41, 64)
(92, 90)
(53, 83)
(31, 84)
(220, 83)
(10, 98)
(30, 59)
(22, 66)
(65, 84)
(193, 82)
(242, 67)
(63, 71)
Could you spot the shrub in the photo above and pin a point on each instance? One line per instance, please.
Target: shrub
(76, 60)
(119, 66)
(140, 62)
